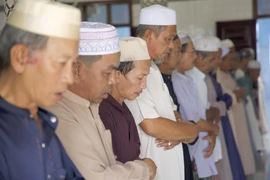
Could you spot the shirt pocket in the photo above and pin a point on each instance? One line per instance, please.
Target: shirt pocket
(60, 174)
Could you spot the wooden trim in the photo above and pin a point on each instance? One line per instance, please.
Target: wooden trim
(98, 2)
(2, 9)
(255, 8)
(255, 11)
(262, 16)
(109, 12)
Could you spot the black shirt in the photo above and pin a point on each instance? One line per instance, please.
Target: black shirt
(188, 166)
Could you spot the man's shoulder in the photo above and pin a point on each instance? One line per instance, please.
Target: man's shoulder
(63, 109)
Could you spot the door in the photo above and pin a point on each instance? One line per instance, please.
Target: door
(242, 33)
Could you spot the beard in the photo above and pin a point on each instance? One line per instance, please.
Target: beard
(159, 61)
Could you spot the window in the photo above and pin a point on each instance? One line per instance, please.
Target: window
(116, 13)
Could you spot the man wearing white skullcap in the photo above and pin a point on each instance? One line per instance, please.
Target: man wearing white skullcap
(81, 130)
(154, 110)
(130, 81)
(36, 57)
(206, 50)
(183, 98)
(236, 112)
(220, 153)
(231, 162)
(243, 81)
(253, 73)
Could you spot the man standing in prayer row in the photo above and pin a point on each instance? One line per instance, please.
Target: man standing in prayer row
(243, 81)
(206, 51)
(154, 111)
(81, 130)
(174, 60)
(236, 112)
(223, 165)
(36, 57)
(130, 81)
(233, 153)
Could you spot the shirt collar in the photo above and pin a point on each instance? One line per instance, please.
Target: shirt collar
(182, 76)
(116, 104)
(195, 73)
(76, 99)
(48, 120)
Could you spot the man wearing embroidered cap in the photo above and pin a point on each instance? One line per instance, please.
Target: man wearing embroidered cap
(82, 132)
(36, 57)
(154, 110)
(130, 81)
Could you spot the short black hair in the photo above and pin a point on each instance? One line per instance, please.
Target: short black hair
(125, 67)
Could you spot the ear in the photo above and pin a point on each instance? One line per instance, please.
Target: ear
(199, 57)
(118, 75)
(77, 71)
(148, 35)
(19, 56)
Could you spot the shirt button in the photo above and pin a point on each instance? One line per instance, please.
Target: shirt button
(49, 176)
(53, 119)
(43, 145)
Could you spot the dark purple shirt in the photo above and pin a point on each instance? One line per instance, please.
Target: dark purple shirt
(119, 120)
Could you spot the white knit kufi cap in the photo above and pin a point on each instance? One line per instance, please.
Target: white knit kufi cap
(133, 49)
(184, 37)
(253, 64)
(157, 15)
(98, 39)
(46, 18)
(206, 43)
(228, 43)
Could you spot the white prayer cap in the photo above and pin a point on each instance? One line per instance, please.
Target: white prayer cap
(46, 18)
(253, 64)
(225, 51)
(216, 40)
(133, 49)
(157, 15)
(205, 43)
(228, 43)
(98, 39)
(184, 37)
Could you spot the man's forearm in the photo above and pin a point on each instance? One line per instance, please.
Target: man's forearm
(166, 129)
(205, 126)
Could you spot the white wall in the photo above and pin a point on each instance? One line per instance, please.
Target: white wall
(205, 13)
(200, 13)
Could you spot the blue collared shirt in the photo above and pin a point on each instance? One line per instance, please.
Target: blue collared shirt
(26, 154)
(191, 108)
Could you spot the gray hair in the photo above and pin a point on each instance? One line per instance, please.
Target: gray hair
(126, 67)
(156, 29)
(89, 60)
(204, 54)
(11, 36)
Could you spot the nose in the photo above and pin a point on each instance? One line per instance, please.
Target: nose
(143, 84)
(67, 74)
(195, 56)
(171, 44)
(112, 79)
